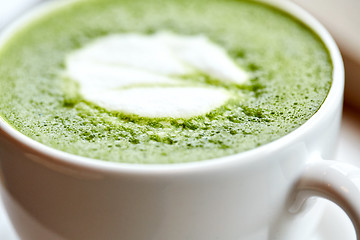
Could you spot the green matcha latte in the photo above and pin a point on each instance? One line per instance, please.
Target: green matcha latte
(153, 81)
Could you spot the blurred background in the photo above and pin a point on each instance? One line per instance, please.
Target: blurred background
(342, 19)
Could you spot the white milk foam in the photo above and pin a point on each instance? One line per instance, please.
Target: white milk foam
(141, 74)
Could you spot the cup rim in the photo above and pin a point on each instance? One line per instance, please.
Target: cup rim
(71, 160)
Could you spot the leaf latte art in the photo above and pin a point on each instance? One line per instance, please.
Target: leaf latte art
(144, 74)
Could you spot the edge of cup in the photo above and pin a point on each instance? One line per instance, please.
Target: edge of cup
(71, 160)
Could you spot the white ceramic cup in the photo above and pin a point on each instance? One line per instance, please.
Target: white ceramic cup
(342, 18)
(255, 195)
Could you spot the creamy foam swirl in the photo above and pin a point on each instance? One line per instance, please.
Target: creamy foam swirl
(141, 74)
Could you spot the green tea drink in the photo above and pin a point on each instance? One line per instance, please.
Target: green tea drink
(156, 82)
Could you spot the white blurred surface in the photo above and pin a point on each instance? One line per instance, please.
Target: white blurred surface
(11, 8)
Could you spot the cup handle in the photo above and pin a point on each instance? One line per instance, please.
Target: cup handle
(336, 181)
